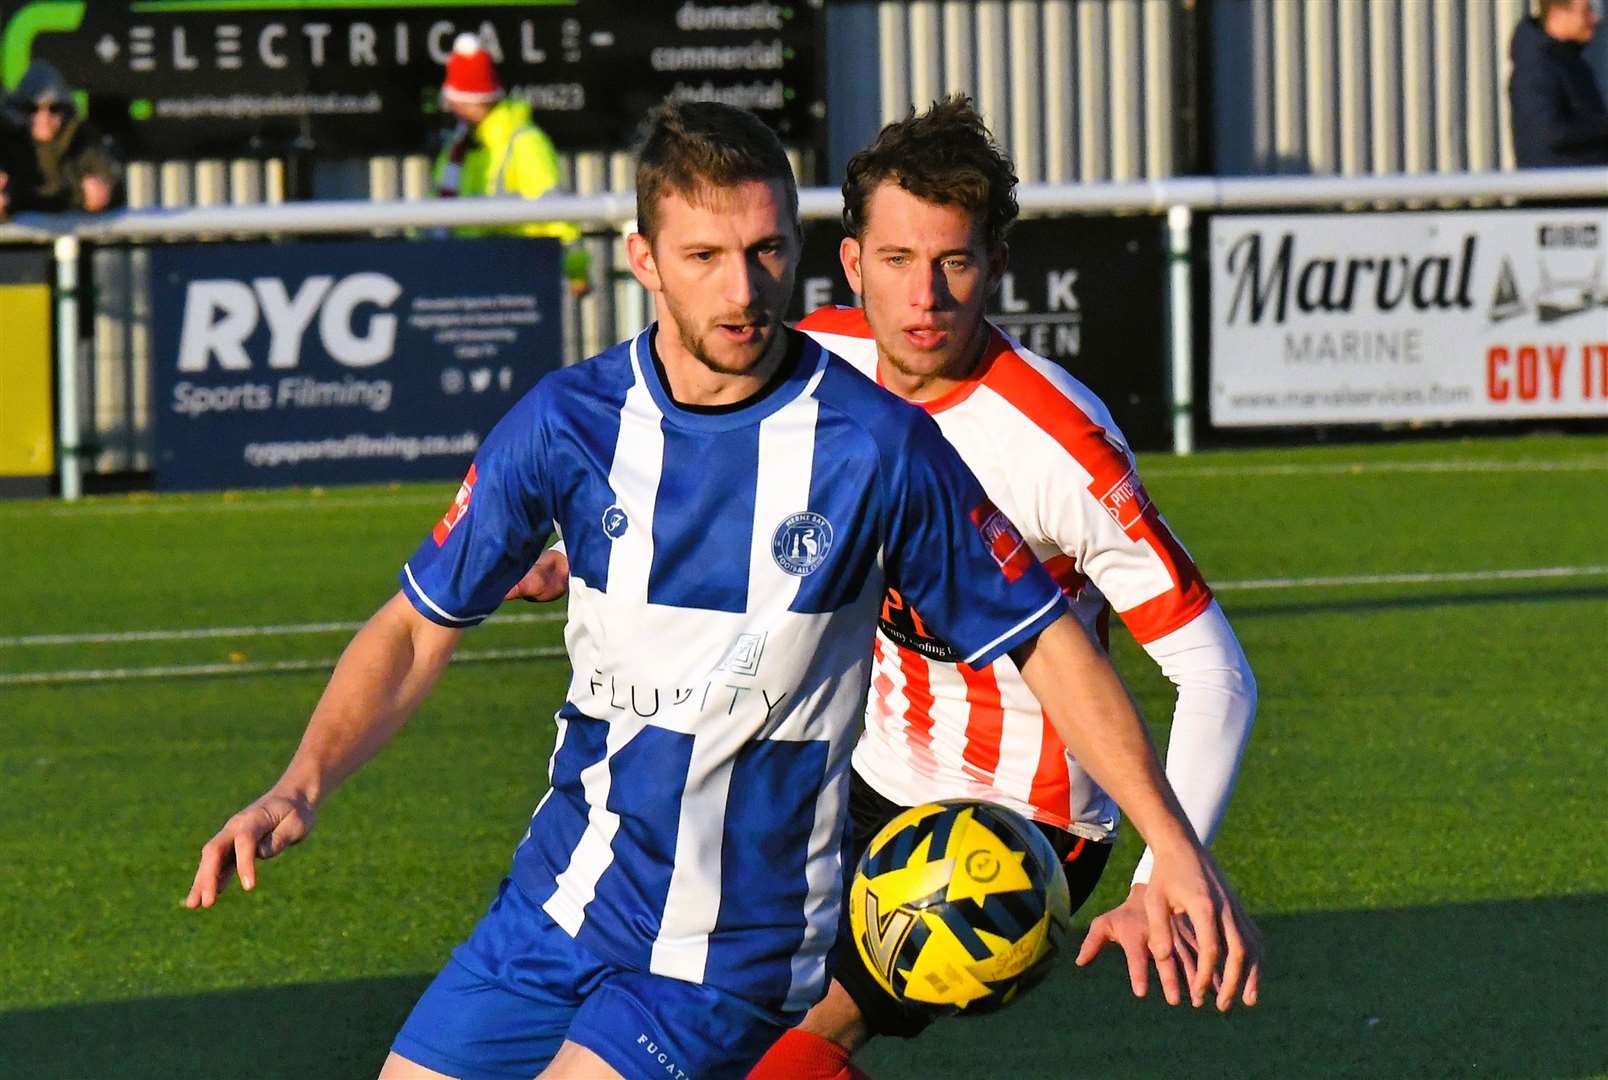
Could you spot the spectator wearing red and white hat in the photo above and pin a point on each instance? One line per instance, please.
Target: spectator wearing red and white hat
(496, 149)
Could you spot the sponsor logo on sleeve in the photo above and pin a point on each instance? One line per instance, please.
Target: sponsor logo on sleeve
(1126, 501)
(1010, 551)
(903, 625)
(455, 513)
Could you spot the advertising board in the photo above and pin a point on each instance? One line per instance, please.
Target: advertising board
(193, 78)
(346, 362)
(1372, 317)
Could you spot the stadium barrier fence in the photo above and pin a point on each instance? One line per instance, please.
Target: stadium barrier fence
(1177, 200)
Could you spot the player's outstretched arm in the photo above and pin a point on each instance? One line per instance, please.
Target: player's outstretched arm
(1190, 910)
(382, 676)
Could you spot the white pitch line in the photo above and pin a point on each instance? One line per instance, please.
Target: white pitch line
(1363, 468)
(119, 636)
(195, 671)
(1357, 468)
(201, 633)
(1413, 579)
(177, 506)
(558, 652)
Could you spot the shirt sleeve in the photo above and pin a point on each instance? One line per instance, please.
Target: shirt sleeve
(1211, 722)
(957, 558)
(493, 531)
(1114, 536)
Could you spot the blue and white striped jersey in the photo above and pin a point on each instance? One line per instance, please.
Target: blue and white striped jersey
(727, 569)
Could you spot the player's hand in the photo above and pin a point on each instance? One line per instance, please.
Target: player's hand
(1195, 920)
(547, 580)
(1128, 926)
(260, 831)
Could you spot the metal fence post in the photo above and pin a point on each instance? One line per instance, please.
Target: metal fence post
(1181, 329)
(67, 433)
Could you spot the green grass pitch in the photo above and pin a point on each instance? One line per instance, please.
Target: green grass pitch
(1419, 826)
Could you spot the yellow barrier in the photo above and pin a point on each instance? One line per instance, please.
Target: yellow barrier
(27, 434)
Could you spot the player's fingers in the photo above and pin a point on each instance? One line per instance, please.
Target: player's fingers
(212, 873)
(245, 849)
(1138, 966)
(192, 899)
(202, 873)
(1233, 964)
(1184, 934)
(1159, 925)
(1167, 975)
(288, 831)
(1253, 983)
(1189, 949)
(1203, 916)
(1187, 961)
(1098, 937)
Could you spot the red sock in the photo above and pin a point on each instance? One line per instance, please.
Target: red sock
(800, 1055)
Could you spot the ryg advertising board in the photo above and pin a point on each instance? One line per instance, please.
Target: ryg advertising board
(1371, 318)
(355, 362)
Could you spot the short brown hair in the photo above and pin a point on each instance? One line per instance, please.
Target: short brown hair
(688, 146)
(946, 156)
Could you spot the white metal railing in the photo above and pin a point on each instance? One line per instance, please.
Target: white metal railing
(1178, 198)
(615, 210)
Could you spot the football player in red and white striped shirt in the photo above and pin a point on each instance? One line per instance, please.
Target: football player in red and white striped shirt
(927, 207)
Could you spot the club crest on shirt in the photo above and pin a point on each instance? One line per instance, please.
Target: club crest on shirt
(615, 522)
(455, 512)
(801, 542)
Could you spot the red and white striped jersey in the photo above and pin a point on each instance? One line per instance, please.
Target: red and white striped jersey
(1049, 456)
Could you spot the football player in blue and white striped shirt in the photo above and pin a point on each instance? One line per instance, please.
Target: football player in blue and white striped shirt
(735, 502)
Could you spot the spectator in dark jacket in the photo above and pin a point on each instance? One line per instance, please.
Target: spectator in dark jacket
(71, 166)
(1558, 112)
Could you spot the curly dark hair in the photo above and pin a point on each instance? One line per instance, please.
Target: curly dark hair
(945, 155)
(690, 145)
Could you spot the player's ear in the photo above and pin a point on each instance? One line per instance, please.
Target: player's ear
(849, 256)
(639, 253)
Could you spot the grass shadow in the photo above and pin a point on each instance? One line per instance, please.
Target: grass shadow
(325, 1030)
(1502, 989)
(1498, 989)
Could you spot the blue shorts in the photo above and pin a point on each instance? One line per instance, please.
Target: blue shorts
(520, 986)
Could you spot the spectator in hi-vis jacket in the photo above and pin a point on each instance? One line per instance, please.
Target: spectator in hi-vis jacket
(496, 149)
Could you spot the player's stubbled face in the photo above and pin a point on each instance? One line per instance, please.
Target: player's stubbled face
(726, 261)
(924, 272)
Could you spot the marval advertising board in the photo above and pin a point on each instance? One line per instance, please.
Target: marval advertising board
(1376, 317)
(356, 362)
